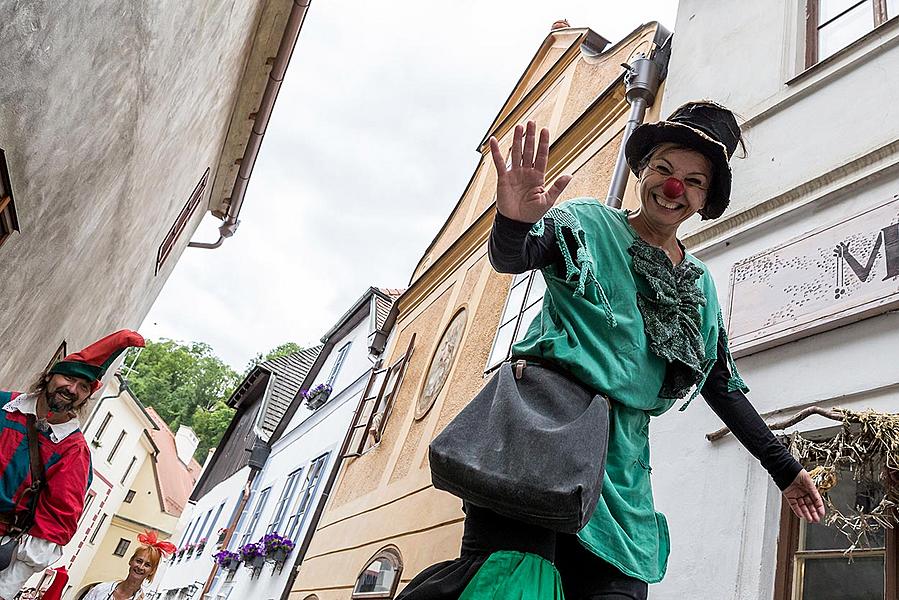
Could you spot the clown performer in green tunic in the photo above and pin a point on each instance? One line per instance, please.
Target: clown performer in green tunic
(629, 313)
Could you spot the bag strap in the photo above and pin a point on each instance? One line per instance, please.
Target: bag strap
(37, 472)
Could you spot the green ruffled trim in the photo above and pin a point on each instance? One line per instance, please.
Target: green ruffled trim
(509, 575)
(671, 317)
(579, 267)
(735, 382)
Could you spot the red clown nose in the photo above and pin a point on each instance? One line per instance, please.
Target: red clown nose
(673, 188)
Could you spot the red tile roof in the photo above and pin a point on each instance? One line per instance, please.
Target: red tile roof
(175, 480)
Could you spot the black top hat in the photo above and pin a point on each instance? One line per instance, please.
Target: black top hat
(706, 127)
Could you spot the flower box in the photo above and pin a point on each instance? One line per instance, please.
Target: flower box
(276, 547)
(317, 396)
(227, 560)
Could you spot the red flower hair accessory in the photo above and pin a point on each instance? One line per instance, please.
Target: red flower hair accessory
(149, 538)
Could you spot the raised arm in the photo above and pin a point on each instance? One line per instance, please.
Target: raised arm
(521, 201)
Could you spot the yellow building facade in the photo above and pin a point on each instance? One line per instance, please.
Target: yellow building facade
(385, 522)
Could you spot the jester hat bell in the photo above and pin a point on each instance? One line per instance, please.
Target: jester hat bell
(92, 362)
(706, 127)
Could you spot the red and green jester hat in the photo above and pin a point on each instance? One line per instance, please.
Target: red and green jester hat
(63, 449)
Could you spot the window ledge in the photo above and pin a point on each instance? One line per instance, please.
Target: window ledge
(883, 33)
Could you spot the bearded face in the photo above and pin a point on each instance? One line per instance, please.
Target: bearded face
(65, 393)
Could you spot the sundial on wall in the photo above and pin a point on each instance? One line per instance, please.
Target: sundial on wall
(440, 366)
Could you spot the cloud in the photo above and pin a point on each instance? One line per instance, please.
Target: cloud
(370, 146)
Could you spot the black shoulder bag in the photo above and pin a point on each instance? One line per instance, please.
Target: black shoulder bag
(20, 523)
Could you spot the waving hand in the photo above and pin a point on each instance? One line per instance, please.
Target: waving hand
(520, 188)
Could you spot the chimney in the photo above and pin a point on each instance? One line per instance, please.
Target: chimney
(560, 24)
(186, 442)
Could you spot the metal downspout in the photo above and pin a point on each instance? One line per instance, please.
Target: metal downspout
(229, 533)
(260, 123)
(641, 81)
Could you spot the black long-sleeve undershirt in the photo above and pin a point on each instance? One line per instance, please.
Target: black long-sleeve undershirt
(513, 250)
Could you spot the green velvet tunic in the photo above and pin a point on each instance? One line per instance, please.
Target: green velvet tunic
(627, 322)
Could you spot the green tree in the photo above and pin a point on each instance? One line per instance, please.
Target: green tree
(187, 385)
(282, 350)
(209, 425)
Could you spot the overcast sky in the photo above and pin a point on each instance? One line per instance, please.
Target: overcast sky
(371, 144)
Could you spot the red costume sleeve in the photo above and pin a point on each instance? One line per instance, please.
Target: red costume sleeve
(61, 501)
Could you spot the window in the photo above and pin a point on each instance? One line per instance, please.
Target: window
(285, 501)
(99, 434)
(198, 534)
(60, 353)
(341, 357)
(88, 503)
(129, 497)
(128, 470)
(376, 404)
(97, 528)
(811, 564)
(122, 547)
(831, 25)
(168, 243)
(381, 575)
(313, 476)
(522, 306)
(115, 447)
(212, 523)
(254, 519)
(9, 222)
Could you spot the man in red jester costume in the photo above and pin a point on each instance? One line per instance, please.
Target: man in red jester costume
(53, 404)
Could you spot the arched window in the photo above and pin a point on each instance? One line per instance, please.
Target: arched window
(381, 575)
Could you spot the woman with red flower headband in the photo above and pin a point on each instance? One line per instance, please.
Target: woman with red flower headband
(141, 568)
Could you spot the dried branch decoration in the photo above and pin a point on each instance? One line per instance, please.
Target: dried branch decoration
(867, 446)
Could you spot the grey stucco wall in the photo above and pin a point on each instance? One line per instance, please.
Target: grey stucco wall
(110, 112)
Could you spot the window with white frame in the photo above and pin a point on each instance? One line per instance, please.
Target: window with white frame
(338, 362)
(381, 576)
(254, 519)
(211, 525)
(284, 502)
(831, 25)
(307, 493)
(522, 306)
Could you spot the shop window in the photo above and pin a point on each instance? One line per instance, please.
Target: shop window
(522, 306)
(377, 403)
(812, 558)
(122, 547)
(831, 25)
(9, 221)
(183, 218)
(381, 576)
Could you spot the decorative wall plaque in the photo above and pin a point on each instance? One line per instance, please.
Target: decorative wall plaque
(443, 360)
(832, 276)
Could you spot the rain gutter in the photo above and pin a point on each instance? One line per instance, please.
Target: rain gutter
(260, 123)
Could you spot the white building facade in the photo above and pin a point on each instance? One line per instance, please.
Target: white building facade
(305, 449)
(806, 261)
